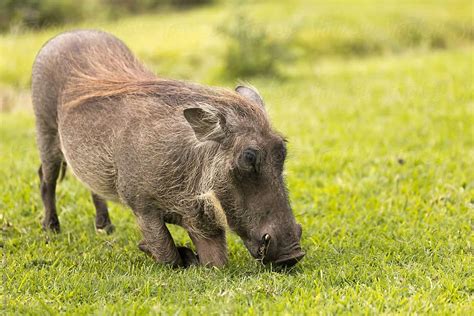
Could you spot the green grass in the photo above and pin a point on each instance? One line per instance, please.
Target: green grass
(380, 174)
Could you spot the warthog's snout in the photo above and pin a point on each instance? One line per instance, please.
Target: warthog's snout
(290, 259)
(279, 250)
(284, 258)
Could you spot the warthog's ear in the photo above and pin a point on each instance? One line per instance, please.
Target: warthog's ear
(251, 94)
(206, 124)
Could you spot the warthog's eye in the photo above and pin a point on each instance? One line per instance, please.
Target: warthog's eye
(250, 156)
(249, 160)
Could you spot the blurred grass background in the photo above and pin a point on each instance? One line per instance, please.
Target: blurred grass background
(376, 98)
(213, 41)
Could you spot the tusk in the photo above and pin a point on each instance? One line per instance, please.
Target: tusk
(263, 249)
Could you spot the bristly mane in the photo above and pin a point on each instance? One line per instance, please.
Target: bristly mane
(113, 71)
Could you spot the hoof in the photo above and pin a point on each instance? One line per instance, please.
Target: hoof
(188, 256)
(143, 246)
(107, 229)
(51, 226)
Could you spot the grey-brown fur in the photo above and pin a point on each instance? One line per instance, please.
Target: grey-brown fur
(170, 150)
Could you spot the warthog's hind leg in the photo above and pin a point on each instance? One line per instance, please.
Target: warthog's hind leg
(102, 219)
(48, 174)
(52, 161)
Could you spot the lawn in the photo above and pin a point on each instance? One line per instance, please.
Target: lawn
(380, 174)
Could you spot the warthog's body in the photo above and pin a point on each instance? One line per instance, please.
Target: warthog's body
(167, 149)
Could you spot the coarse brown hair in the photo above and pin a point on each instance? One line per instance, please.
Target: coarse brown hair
(118, 73)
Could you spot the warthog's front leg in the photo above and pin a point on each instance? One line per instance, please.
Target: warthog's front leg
(158, 243)
(212, 251)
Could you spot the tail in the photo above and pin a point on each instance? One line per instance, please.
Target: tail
(62, 171)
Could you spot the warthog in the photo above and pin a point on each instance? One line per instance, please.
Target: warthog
(174, 152)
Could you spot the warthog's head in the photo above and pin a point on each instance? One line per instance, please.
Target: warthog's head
(252, 189)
